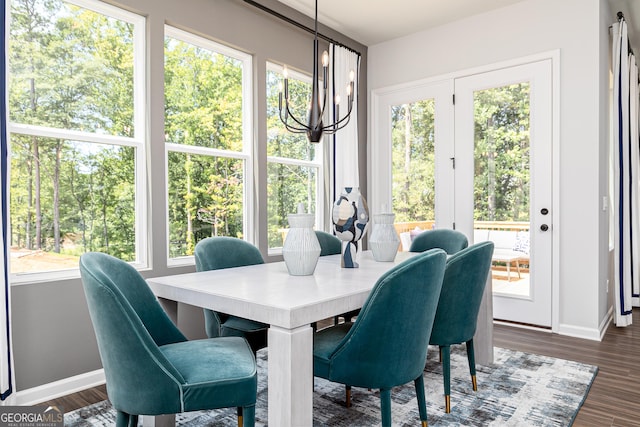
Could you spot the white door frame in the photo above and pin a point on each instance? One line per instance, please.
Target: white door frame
(380, 192)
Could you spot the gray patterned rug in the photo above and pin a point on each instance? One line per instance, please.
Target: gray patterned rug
(519, 389)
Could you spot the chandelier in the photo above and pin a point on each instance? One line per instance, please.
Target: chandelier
(315, 126)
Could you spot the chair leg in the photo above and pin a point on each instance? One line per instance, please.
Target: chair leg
(239, 413)
(122, 419)
(133, 421)
(446, 374)
(248, 416)
(422, 403)
(347, 392)
(385, 406)
(472, 363)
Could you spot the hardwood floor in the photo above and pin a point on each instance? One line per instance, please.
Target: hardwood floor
(614, 398)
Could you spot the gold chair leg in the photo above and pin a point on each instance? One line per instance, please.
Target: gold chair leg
(424, 424)
(239, 412)
(348, 396)
(474, 381)
(447, 403)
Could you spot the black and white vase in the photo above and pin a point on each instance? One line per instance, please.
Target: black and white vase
(350, 217)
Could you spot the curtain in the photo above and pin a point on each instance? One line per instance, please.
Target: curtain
(6, 383)
(626, 175)
(344, 147)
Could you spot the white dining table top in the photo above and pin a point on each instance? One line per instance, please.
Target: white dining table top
(269, 294)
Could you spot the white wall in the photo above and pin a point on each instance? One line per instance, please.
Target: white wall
(526, 28)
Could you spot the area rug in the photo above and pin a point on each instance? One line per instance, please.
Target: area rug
(518, 389)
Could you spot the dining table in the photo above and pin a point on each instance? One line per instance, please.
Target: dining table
(290, 305)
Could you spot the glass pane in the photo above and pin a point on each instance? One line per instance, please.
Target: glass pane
(501, 183)
(281, 142)
(287, 186)
(413, 173)
(205, 199)
(68, 198)
(70, 68)
(203, 97)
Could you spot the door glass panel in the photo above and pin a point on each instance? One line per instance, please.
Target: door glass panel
(413, 167)
(501, 183)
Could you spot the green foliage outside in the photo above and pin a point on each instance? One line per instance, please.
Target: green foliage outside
(413, 138)
(71, 69)
(287, 184)
(501, 185)
(501, 157)
(203, 108)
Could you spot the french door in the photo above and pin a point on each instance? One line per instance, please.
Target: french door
(480, 163)
(503, 186)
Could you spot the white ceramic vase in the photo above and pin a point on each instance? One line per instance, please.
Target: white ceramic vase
(301, 248)
(384, 239)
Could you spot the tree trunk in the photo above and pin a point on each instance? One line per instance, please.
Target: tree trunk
(408, 123)
(491, 169)
(56, 198)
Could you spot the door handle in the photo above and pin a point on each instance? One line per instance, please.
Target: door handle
(544, 227)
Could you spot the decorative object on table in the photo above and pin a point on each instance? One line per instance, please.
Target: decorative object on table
(384, 240)
(350, 218)
(301, 248)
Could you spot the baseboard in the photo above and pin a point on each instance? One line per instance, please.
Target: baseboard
(45, 392)
(593, 334)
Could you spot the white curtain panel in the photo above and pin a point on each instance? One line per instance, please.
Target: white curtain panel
(634, 140)
(625, 271)
(344, 143)
(6, 364)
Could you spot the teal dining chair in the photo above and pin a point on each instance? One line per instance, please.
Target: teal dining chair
(451, 241)
(329, 244)
(149, 365)
(214, 253)
(456, 319)
(385, 347)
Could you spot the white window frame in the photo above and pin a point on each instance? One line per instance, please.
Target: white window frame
(317, 163)
(138, 141)
(246, 155)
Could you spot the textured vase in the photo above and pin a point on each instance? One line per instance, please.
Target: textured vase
(350, 217)
(384, 238)
(301, 248)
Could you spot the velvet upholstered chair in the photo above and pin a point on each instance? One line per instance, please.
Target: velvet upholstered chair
(386, 345)
(150, 367)
(329, 244)
(214, 253)
(464, 281)
(451, 241)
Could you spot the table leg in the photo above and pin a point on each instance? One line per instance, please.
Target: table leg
(159, 420)
(483, 340)
(290, 376)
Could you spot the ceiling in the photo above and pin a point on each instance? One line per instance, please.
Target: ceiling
(374, 21)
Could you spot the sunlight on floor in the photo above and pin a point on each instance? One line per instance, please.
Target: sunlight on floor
(512, 285)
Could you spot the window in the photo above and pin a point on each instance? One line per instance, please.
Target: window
(208, 141)
(294, 165)
(76, 127)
